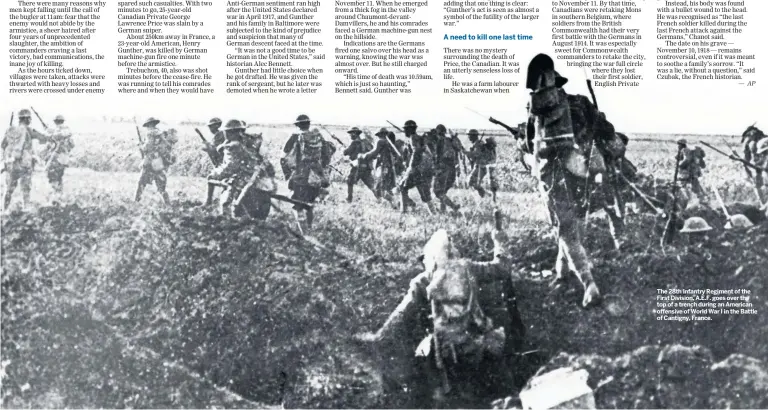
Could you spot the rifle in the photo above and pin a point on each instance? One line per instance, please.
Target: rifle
(141, 143)
(211, 153)
(671, 228)
(515, 132)
(333, 136)
(12, 114)
(278, 197)
(38, 117)
(395, 126)
(735, 157)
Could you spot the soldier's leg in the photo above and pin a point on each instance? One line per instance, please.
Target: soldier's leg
(11, 180)
(55, 173)
(25, 182)
(367, 177)
(351, 181)
(440, 188)
(494, 182)
(209, 196)
(161, 181)
(144, 179)
(450, 183)
(425, 192)
(570, 233)
(476, 180)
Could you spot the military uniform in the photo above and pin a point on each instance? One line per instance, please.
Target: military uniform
(561, 130)
(361, 171)
(483, 162)
(18, 158)
(158, 157)
(691, 164)
(486, 294)
(59, 146)
(420, 171)
(386, 155)
(238, 165)
(307, 155)
(447, 149)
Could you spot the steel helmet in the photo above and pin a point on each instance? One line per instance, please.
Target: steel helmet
(59, 118)
(151, 120)
(382, 132)
(354, 130)
(473, 132)
(301, 118)
(234, 125)
(214, 121)
(738, 221)
(682, 142)
(440, 128)
(695, 224)
(25, 113)
(762, 146)
(410, 124)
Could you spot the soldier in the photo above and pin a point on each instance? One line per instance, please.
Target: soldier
(474, 303)
(691, 163)
(238, 164)
(18, 158)
(420, 171)
(561, 128)
(361, 167)
(447, 150)
(212, 147)
(57, 153)
(158, 157)
(482, 158)
(309, 152)
(386, 155)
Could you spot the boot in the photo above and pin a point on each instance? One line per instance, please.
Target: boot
(431, 208)
(404, 202)
(350, 189)
(310, 218)
(447, 201)
(209, 197)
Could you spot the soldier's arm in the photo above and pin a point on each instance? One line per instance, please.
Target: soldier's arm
(687, 159)
(229, 164)
(351, 149)
(380, 145)
(33, 133)
(290, 143)
(500, 265)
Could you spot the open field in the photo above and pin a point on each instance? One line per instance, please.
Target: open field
(107, 303)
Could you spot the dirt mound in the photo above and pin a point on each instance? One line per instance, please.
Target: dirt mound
(253, 309)
(671, 376)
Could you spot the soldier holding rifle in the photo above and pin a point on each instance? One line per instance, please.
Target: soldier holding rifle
(18, 158)
(157, 153)
(59, 146)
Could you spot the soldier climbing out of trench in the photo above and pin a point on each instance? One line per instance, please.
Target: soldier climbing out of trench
(474, 311)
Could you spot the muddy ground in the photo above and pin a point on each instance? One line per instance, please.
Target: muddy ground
(112, 307)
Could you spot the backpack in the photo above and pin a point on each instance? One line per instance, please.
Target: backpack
(366, 145)
(313, 146)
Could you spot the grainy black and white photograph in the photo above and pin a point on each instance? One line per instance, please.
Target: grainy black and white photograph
(534, 254)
